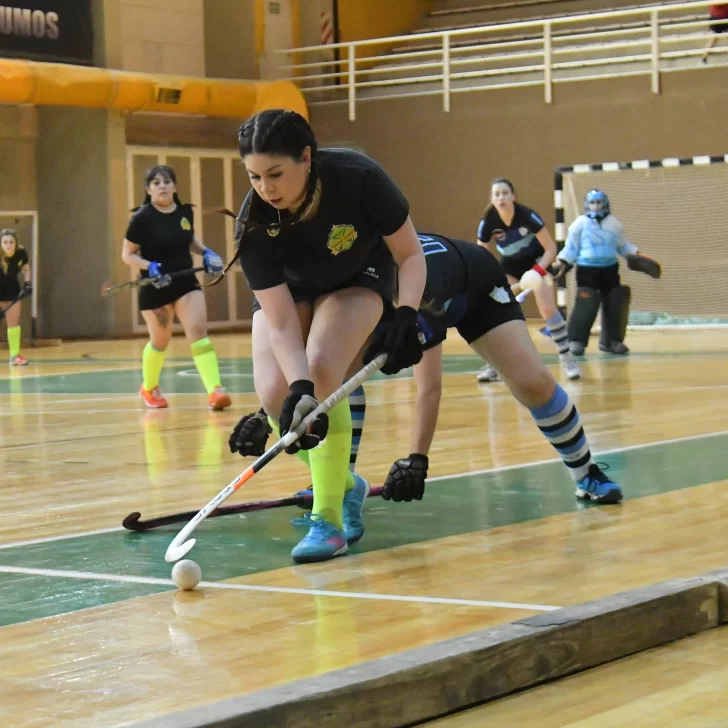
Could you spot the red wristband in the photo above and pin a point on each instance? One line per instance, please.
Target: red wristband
(541, 271)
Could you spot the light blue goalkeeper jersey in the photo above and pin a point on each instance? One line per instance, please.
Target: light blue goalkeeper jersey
(596, 243)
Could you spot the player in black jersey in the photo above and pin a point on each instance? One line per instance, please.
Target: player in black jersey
(521, 237)
(322, 235)
(467, 289)
(13, 262)
(160, 240)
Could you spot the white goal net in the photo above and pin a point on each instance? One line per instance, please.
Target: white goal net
(675, 210)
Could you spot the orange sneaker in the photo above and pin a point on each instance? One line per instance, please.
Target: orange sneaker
(18, 361)
(219, 399)
(153, 398)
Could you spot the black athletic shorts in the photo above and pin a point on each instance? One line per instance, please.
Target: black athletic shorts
(379, 277)
(151, 297)
(488, 304)
(516, 267)
(9, 290)
(599, 279)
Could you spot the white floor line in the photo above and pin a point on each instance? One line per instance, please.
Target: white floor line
(596, 456)
(452, 476)
(90, 575)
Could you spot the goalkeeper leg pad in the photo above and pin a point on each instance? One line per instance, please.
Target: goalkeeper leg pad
(583, 314)
(615, 315)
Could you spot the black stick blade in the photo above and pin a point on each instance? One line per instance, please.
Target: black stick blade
(131, 522)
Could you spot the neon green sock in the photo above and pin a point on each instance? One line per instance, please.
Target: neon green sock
(14, 341)
(152, 363)
(205, 359)
(302, 455)
(330, 466)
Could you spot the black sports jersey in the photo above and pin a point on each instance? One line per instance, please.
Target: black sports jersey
(163, 237)
(451, 285)
(466, 289)
(359, 204)
(9, 285)
(520, 236)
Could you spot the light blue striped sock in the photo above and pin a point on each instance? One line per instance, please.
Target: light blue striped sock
(559, 421)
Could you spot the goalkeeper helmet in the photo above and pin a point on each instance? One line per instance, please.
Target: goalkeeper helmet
(596, 204)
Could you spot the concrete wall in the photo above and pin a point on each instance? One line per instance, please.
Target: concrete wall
(230, 39)
(83, 216)
(445, 162)
(163, 36)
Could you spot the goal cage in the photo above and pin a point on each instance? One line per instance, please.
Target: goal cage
(676, 211)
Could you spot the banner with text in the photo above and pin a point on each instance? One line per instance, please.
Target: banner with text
(47, 30)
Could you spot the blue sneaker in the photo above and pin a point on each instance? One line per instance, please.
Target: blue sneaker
(322, 542)
(598, 487)
(546, 331)
(351, 510)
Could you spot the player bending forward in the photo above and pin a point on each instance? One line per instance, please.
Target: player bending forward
(467, 289)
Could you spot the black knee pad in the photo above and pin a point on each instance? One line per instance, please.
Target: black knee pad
(615, 315)
(583, 313)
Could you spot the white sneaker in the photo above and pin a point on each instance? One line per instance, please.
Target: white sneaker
(488, 374)
(570, 366)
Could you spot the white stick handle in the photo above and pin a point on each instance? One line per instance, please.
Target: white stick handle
(180, 546)
(521, 297)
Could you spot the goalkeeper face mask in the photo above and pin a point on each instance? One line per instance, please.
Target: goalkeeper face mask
(596, 205)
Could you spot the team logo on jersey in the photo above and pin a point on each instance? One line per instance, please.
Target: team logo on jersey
(341, 238)
(500, 294)
(522, 230)
(185, 224)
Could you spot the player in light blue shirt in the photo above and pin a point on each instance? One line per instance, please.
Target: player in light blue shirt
(594, 241)
(596, 237)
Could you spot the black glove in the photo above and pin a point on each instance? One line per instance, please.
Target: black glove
(559, 268)
(406, 479)
(644, 264)
(400, 341)
(250, 435)
(300, 402)
(27, 290)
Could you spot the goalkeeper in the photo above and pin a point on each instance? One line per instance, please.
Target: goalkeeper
(593, 243)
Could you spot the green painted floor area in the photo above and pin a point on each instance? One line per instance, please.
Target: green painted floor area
(240, 545)
(29, 597)
(236, 374)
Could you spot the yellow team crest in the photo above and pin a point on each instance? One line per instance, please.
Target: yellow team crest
(185, 224)
(341, 238)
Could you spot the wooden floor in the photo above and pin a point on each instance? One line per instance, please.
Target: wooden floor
(94, 633)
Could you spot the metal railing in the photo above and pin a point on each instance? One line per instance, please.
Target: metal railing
(639, 41)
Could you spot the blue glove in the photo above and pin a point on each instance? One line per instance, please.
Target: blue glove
(212, 261)
(162, 279)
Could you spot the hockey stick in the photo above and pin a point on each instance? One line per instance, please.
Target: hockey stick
(180, 546)
(133, 521)
(110, 288)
